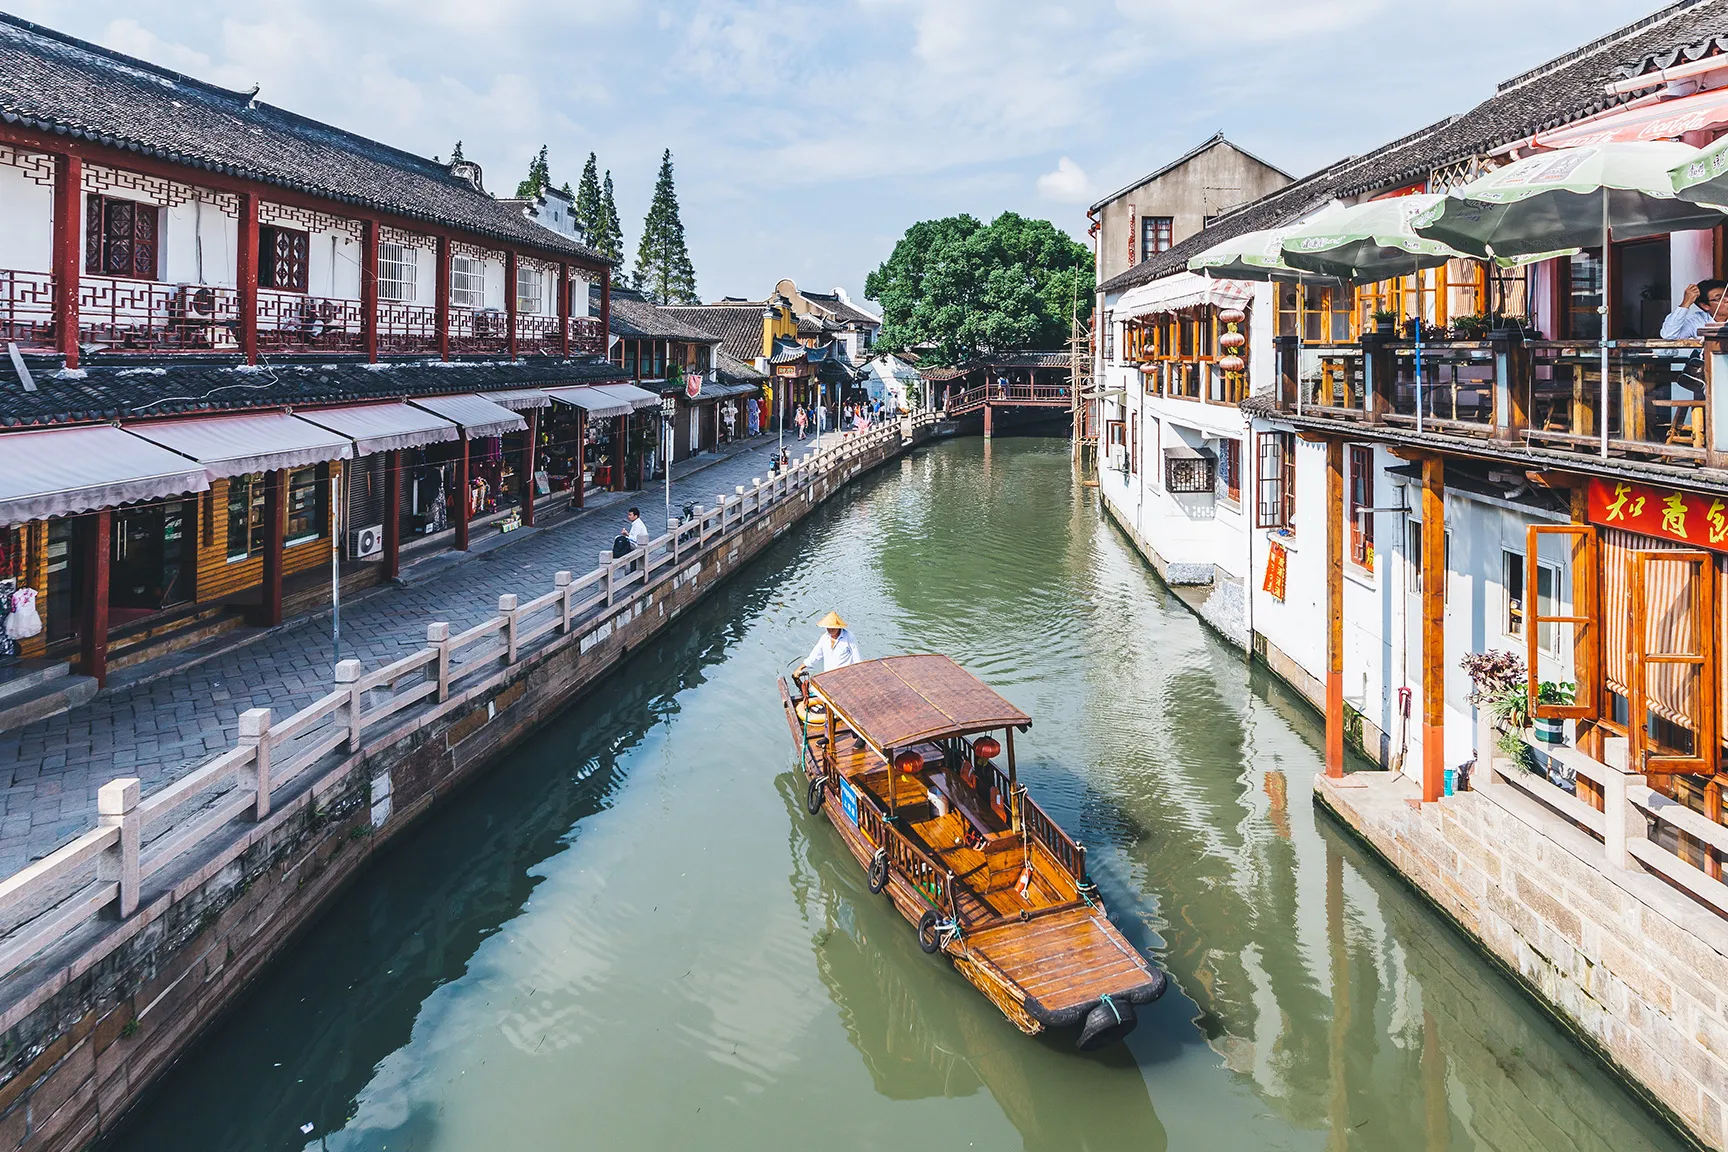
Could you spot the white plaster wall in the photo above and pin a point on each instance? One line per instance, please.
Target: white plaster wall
(27, 213)
(495, 284)
(333, 265)
(426, 276)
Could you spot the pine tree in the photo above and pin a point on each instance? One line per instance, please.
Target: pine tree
(608, 239)
(663, 269)
(589, 217)
(456, 156)
(539, 178)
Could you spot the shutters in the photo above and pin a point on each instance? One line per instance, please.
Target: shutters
(120, 237)
(282, 255)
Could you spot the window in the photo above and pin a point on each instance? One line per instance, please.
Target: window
(1230, 469)
(467, 282)
(1134, 443)
(1582, 285)
(245, 516)
(1110, 342)
(398, 267)
(282, 258)
(1414, 551)
(1361, 500)
(1512, 579)
(1155, 235)
(1327, 314)
(1276, 503)
(528, 285)
(121, 237)
(306, 519)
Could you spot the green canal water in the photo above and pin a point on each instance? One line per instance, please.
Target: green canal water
(631, 935)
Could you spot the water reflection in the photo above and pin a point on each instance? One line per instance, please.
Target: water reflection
(632, 936)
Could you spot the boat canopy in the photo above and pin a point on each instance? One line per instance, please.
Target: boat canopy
(902, 700)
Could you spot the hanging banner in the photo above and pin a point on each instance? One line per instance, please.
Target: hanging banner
(1277, 570)
(1667, 513)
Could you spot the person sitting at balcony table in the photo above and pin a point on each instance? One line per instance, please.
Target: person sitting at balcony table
(1700, 306)
(835, 648)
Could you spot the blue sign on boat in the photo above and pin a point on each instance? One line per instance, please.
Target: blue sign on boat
(848, 800)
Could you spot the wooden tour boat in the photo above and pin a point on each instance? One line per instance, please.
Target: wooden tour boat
(902, 755)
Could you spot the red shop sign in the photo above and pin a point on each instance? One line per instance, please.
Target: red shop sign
(1683, 517)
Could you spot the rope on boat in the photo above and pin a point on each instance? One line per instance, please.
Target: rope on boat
(1114, 1011)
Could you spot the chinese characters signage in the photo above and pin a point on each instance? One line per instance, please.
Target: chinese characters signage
(1684, 517)
(1277, 570)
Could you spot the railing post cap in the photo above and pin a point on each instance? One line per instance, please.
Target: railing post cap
(117, 797)
(562, 579)
(437, 633)
(740, 489)
(347, 671)
(507, 602)
(605, 557)
(254, 721)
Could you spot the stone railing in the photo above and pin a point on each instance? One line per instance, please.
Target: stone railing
(101, 873)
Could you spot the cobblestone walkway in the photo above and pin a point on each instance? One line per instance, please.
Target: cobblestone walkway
(159, 730)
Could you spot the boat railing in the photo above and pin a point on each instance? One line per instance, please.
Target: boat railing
(1037, 825)
(905, 857)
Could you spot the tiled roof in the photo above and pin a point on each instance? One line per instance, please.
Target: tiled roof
(1031, 359)
(57, 84)
(634, 317)
(733, 369)
(810, 324)
(1565, 89)
(738, 326)
(110, 391)
(840, 310)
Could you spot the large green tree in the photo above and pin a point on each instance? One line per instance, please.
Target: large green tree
(663, 270)
(962, 287)
(539, 177)
(588, 210)
(608, 237)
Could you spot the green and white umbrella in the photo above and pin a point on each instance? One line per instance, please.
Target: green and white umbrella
(1703, 178)
(1568, 199)
(1255, 255)
(1367, 242)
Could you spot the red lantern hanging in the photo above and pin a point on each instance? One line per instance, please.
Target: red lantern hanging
(986, 748)
(909, 762)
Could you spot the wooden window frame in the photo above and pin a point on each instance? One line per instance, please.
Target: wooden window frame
(284, 258)
(1275, 489)
(1584, 619)
(1230, 468)
(1165, 227)
(98, 223)
(1641, 755)
(1361, 526)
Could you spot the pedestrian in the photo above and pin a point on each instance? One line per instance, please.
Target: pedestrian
(636, 528)
(801, 420)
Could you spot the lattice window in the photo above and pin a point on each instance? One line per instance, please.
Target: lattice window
(1275, 503)
(121, 238)
(1190, 473)
(282, 258)
(398, 272)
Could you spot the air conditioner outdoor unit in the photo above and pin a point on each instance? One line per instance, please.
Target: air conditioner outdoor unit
(364, 543)
(1119, 457)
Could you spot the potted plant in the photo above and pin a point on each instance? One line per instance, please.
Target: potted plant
(1500, 685)
(1474, 327)
(1548, 692)
(1385, 321)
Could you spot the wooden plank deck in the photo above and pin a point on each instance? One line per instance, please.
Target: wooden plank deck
(1065, 959)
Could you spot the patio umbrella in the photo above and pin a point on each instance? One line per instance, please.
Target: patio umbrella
(1703, 178)
(1571, 198)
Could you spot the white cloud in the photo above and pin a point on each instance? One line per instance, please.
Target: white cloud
(1066, 184)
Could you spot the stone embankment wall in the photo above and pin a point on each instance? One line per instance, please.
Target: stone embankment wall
(1635, 969)
(86, 1028)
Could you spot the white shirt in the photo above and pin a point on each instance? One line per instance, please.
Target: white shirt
(638, 532)
(1685, 323)
(835, 653)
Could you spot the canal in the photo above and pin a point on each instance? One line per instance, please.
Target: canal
(632, 936)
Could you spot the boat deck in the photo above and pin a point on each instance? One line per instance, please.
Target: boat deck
(1065, 960)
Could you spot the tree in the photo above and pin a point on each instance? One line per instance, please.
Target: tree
(539, 178)
(589, 211)
(663, 269)
(963, 287)
(456, 153)
(608, 237)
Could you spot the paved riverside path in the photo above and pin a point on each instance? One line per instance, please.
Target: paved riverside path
(163, 728)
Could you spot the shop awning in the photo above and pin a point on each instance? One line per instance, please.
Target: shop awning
(1183, 290)
(632, 395)
(598, 403)
(382, 427)
(1664, 120)
(519, 399)
(239, 445)
(715, 390)
(65, 471)
(478, 416)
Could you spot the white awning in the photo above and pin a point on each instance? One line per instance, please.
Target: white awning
(65, 471)
(592, 399)
(632, 395)
(519, 399)
(382, 427)
(1183, 290)
(478, 417)
(239, 445)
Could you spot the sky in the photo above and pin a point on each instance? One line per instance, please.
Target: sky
(808, 135)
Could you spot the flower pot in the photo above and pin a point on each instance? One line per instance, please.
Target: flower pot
(1384, 328)
(1550, 731)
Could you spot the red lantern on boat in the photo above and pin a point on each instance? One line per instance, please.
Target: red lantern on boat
(909, 762)
(986, 748)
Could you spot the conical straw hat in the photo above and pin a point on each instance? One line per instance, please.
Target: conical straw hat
(832, 620)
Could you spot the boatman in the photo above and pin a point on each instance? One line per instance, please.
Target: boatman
(835, 648)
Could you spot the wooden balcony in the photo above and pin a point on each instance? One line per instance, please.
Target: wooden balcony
(149, 316)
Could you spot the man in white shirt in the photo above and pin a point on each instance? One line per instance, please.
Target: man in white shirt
(835, 648)
(1701, 305)
(636, 528)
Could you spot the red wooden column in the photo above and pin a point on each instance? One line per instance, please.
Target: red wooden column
(462, 498)
(564, 290)
(441, 307)
(1335, 608)
(510, 302)
(392, 514)
(986, 419)
(528, 489)
(606, 313)
(99, 527)
(275, 527)
(246, 277)
(369, 288)
(1434, 627)
(68, 257)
